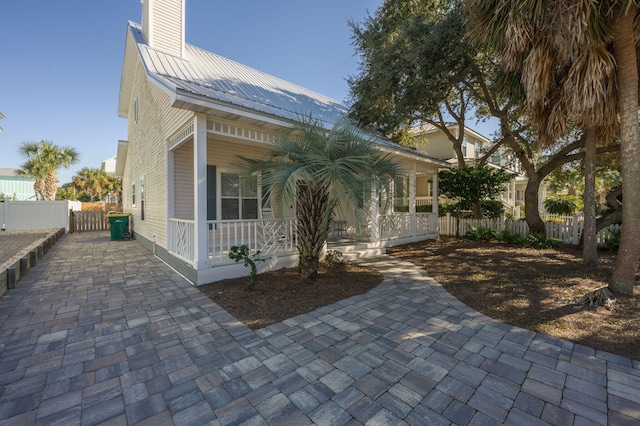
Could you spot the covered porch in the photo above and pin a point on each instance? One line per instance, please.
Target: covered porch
(210, 209)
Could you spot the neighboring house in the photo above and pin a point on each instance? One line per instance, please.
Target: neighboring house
(109, 165)
(16, 187)
(190, 112)
(435, 143)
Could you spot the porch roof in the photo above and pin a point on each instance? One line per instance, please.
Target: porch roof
(203, 80)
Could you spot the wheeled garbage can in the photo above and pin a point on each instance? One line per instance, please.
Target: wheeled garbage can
(119, 224)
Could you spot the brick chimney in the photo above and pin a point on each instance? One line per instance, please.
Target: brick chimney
(163, 25)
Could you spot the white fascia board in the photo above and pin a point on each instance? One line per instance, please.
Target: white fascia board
(201, 101)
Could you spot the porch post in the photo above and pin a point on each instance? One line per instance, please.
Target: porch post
(375, 214)
(434, 203)
(200, 232)
(412, 202)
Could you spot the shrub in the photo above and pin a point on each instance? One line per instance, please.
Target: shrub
(242, 253)
(612, 242)
(480, 233)
(334, 257)
(539, 241)
(511, 237)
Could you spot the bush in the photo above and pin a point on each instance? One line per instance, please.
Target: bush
(242, 253)
(612, 243)
(539, 241)
(511, 237)
(563, 204)
(480, 233)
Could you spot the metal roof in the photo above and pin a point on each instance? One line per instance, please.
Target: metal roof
(217, 79)
(206, 74)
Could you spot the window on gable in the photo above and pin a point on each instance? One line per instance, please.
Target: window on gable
(238, 197)
(135, 110)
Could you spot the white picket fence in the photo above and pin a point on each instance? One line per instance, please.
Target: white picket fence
(565, 228)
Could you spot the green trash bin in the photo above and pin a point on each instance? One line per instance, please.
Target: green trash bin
(119, 224)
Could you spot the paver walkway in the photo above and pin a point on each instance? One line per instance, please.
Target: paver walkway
(102, 332)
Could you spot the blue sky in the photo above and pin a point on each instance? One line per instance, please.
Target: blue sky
(61, 61)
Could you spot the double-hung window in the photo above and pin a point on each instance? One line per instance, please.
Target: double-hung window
(238, 197)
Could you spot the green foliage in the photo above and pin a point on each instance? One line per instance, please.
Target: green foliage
(510, 237)
(334, 257)
(427, 208)
(539, 241)
(491, 209)
(612, 243)
(563, 204)
(42, 161)
(95, 184)
(68, 193)
(239, 253)
(414, 56)
(319, 171)
(470, 185)
(482, 234)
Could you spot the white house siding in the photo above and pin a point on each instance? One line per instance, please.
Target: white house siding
(220, 153)
(167, 32)
(183, 181)
(147, 155)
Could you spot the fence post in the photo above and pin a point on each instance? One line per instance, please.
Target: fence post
(576, 230)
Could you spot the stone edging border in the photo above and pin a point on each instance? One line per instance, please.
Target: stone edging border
(18, 266)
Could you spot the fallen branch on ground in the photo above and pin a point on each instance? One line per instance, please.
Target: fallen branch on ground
(600, 297)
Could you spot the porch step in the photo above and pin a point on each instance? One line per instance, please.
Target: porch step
(361, 253)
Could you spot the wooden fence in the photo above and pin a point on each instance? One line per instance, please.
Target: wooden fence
(565, 228)
(91, 220)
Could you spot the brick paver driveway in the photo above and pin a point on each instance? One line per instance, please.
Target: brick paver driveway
(102, 332)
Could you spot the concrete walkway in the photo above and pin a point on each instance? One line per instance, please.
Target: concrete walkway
(102, 332)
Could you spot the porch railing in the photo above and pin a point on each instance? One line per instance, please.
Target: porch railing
(268, 236)
(180, 239)
(398, 225)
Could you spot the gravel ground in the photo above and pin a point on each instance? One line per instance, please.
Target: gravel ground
(14, 242)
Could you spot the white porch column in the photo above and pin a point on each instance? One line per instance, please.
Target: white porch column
(412, 202)
(375, 214)
(201, 231)
(434, 203)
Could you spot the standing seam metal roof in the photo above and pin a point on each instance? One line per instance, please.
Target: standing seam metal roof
(214, 77)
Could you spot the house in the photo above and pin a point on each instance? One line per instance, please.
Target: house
(190, 112)
(14, 187)
(434, 142)
(109, 165)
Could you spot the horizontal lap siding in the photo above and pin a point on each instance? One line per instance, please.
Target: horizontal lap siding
(183, 181)
(146, 156)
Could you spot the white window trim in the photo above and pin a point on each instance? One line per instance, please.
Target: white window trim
(219, 173)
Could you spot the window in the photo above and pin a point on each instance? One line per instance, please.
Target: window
(464, 148)
(133, 195)
(142, 198)
(238, 197)
(135, 110)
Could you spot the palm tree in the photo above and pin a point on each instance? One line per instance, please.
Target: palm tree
(43, 159)
(578, 61)
(95, 183)
(316, 169)
(34, 169)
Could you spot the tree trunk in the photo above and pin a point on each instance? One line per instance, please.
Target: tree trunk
(51, 186)
(624, 52)
(531, 205)
(477, 210)
(590, 247)
(314, 219)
